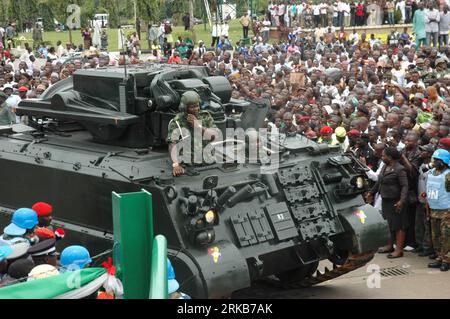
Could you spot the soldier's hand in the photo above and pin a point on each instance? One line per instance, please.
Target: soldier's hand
(178, 171)
(191, 119)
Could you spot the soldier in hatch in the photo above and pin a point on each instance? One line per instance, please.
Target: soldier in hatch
(183, 126)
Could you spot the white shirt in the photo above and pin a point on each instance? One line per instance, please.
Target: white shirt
(266, 26)
(341, 6)
(12, 65)
(432, 26)
(344, 145)
(273, 10)
(400, 75)
(225, 30)
(335, 11)
(51, 57)
(411, 83)
(12, 102)
(216, 30)
(353, 37)
(401, 6)
(316, 9)
(346, 9)
(25, 57)
(60, 51)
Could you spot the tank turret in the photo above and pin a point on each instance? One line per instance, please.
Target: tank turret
(133, 108)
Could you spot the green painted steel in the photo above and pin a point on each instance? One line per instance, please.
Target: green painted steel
(158, 275)
(133, 240)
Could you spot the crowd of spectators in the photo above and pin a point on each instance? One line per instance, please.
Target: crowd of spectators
(361, 93)
(341, 13)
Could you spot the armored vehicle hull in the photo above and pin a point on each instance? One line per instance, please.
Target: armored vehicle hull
(227, 225)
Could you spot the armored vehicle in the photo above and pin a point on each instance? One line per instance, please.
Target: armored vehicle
(227, 224)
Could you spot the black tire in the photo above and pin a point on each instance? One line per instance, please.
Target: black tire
(298, 274)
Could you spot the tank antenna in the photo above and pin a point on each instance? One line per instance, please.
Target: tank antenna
(123, 51)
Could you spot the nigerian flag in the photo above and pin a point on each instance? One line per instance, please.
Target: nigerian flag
(70, 285)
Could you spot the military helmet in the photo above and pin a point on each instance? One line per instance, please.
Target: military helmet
(74, 258)
(23, 219)
(340, 132)
(440, 60)
(442, 155)
(189, 98)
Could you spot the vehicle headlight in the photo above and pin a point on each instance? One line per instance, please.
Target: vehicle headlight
(205, 237)
(210, 217)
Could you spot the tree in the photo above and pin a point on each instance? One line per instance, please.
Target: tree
(23, 11)
(191, 20)
(150, 10)
(110, 7)
(45, 12)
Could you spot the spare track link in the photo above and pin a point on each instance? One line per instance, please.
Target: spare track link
(353, 262)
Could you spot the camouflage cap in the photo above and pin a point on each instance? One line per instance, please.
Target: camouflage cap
(440, 60)
(190, 97)
(3, 96)
(420, 61)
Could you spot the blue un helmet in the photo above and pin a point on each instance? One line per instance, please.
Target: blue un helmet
(442, 155)
(23, 219)
(173, 283)
(74, 258)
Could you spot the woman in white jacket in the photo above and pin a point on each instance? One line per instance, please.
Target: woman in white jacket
(216, 31)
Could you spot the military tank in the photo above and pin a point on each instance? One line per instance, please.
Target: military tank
(227, 224)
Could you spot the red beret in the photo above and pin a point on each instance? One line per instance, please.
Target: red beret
(326, 130)
(23, 89)
(7, 54)
(354, 132)
(42, 209)
(445, 142)
(304, 119)
(43, 232)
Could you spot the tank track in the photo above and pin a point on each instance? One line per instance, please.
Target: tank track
(353, 262)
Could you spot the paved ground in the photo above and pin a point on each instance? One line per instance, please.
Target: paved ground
(406, 277)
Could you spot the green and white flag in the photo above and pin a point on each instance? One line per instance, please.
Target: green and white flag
(69, 285)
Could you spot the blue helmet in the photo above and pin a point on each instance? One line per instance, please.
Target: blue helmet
(74, 258)
(173, 283)
(22, 220)
(442, 155)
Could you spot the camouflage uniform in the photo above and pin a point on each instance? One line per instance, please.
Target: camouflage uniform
(174, 135)
(6, 115)
(443, 73)
(440, 233)
(424, 74)
(440, 227)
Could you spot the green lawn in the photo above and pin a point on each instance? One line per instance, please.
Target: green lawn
(201, 34)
